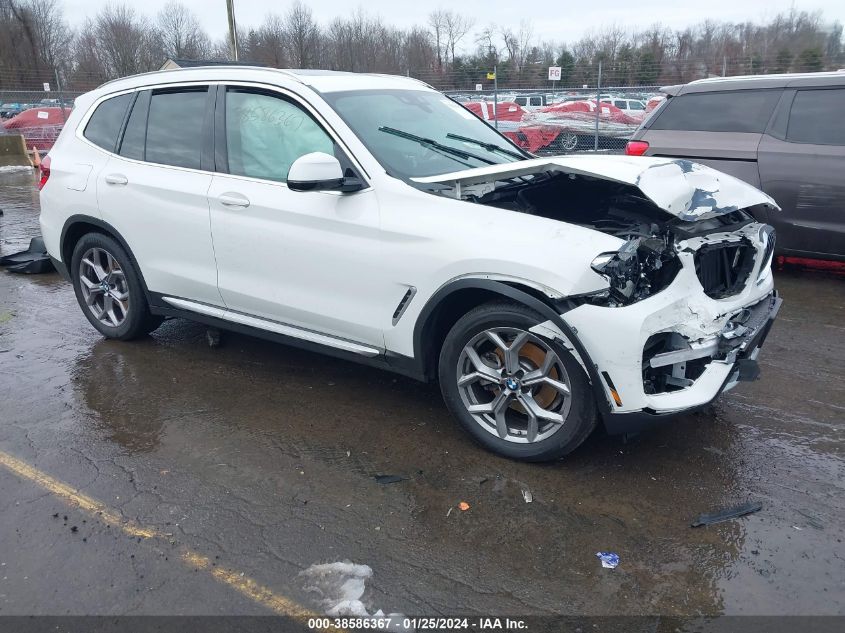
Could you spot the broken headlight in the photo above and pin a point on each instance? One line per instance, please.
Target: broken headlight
(642, 267)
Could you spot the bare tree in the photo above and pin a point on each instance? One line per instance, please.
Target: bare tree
(518, 43)
(52, 38)
(125, 42)
(456, 27)
(302, 35)
(419, 54)
(486, 40)
(180, 32)
(437, 22)
(267, 44)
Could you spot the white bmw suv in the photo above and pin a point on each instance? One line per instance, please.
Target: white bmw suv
(372, 218)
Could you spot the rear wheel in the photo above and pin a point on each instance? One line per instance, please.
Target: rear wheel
(519, 394)
(109, 290)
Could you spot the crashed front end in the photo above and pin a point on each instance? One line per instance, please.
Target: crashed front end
(689, 295)
(679, 347)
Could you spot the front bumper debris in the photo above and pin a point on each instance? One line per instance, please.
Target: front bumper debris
(740, 353)
(739, 334)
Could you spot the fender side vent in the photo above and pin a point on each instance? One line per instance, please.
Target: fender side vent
(403, 304)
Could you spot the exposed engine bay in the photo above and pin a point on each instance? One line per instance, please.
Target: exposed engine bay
(647, 262)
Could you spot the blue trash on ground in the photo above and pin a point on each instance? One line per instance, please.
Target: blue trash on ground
(609, 560)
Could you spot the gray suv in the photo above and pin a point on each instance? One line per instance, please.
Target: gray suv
(784, 134)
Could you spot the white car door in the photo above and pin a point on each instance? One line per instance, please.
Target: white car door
(154, 192)
(310, 259)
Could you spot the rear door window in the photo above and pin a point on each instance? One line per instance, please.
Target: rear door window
(816, 117)
(175, 127)
(104, 125)
(737, 111)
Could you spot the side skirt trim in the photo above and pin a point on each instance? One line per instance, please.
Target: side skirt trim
(273, 326)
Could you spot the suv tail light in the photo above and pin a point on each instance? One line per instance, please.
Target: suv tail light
(45, 172)
(636, 148)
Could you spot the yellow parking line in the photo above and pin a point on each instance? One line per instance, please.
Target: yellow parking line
(239, 582)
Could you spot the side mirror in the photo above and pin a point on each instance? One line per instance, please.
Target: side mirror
(319, 171)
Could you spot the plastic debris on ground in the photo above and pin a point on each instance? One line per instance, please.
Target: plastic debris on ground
(526, 494)
(725, 515)
(33, 260)
(609, 560)
(213, 336)
(464, 506)
(389, 479)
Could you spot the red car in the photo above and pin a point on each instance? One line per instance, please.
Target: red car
(40, 127)
(511, 123)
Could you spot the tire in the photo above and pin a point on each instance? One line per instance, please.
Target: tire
(506, 390)
(121, 311)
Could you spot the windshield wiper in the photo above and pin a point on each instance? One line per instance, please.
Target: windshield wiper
(490, 147)
(430, 142)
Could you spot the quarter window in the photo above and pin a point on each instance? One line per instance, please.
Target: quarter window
(266, 133)
(175, 127)
(104, 125)
(737, 111)
(135, 134)
(813, 117)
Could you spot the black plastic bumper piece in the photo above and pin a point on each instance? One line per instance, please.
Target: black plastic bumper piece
(34, 260)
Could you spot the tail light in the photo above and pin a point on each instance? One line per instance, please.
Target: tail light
(45, 172)
(636, 148)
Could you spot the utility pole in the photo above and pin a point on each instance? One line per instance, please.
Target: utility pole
(233, 29)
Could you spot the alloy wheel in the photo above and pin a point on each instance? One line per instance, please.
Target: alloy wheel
(514, 385)
(104, 286)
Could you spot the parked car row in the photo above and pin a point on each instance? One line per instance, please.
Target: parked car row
(12, 109)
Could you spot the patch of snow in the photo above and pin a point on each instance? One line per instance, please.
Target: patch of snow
(13, 168)
(339, 586)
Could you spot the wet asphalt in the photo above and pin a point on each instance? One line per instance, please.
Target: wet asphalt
(264, 458)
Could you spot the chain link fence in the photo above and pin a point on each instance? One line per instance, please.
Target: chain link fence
(548, 121)
(38, 116)
(543, 120)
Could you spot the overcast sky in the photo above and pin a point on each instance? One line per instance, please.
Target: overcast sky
(553, 20)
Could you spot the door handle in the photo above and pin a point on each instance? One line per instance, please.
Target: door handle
(232, 199)
(117, 179)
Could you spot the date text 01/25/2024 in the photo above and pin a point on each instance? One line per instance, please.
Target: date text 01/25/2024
(403, 623)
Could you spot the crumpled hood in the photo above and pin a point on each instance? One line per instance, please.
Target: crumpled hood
(687, 190)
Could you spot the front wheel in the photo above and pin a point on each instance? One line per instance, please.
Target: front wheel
(517, 393)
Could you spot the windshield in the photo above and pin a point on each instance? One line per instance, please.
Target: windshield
(415, 133)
